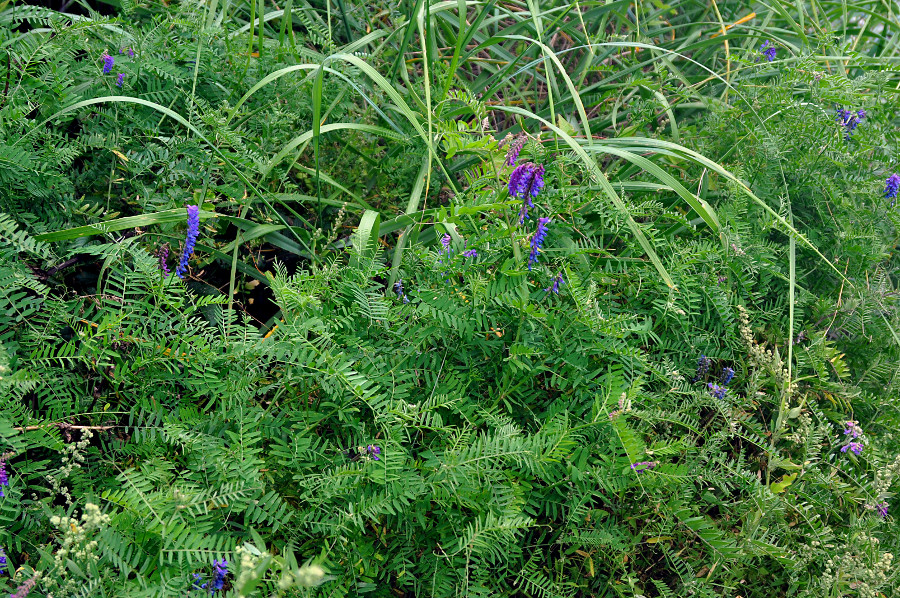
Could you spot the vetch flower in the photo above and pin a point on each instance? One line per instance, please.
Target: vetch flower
(882, 509)
(890, 188)
(849, 120)
(470, 253)
(120, 79)
(855, 447)
(727, 376)
(4, 477)
(220, 570)
(398, 288)
(554, 288)
(23, 590)
(163, 255)
(768, 50)
(642, 466)
(537, 241)
(515, 146)
(702, 368)
(197, 585)
(108, 62)
(717, 391)
(373, 450)
(2, 561)
(852, 428)
(193, 224)
(525, 182)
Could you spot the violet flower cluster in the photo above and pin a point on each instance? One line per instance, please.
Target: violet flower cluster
(727, 376)
(768, 50)
(108, 62)
(890, 188)
(3, 563)
(398, 288)
(4, 477)
(702, 368)
(525, 182)
(193, 231)
(854, 442)
(23, 590)
(554, 288)
(537, 241)
(373, 450)
(642, 466)
(163, 255)
(515, 146)
(220, 571)
(849, 120)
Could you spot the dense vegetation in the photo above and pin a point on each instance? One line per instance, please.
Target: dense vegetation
(449, 299)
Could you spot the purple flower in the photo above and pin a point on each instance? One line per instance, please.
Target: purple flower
(163, 255)
(129, 51)
(4, 477)
(526, 181)
(2, 562)
(515, 146)
(702, 368)
(108, 62)
(852, 428)
(120, 79)
(22, 590)
(849, 120)
(193, 231)
(717, 391)
(220, 570)
(554, 288)
(537, 241)
(373, 451)
(398, 288)
(727, 376)
(768, 50)
(855, 447)
(470, 253)
(197, 585)
(642, 466)
(891, 186)
(882, 509)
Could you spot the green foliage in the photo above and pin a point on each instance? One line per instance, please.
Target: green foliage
(364, 385)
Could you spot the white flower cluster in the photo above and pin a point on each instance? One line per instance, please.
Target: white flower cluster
(72, 458)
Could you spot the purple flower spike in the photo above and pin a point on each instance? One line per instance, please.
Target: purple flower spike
(855, 447)
(642, 466)
(512, 152)
(890, 188)
(849, 120)
(727, 376)
(220, 570)
(108, 62)
(23, 590)
(120, 79)
(525, 182)
(470, 253)
(193, 223)
(4, 477)
(882, 509)
(702, 368)
(851, 428)
(768, 50)
(717, 391)
(554, 288)
(2, 562)
(373, 451)
(537, 241)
